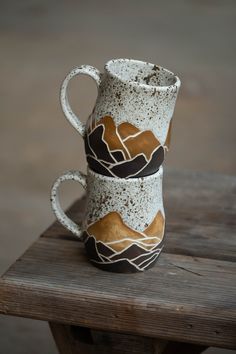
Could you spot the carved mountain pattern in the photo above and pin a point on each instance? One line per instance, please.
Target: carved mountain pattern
(114, 246)
(125, 130)
(123, 151)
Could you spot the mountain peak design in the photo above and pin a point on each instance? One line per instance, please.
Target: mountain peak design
(110, 135)
(114, 246)
(156, 227)
(112, 230)
(126, 129)
(122, 151)
(133, 259)
(145, 143)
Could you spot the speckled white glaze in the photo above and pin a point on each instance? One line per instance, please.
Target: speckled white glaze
(56, 206)
(136, 200)
(132, 91)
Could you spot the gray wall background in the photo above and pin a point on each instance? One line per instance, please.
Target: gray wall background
(40, 41)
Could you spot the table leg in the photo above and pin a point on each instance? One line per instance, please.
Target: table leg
(81, 340)
(183, 348)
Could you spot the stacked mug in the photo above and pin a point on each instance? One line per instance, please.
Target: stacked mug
(126, 138)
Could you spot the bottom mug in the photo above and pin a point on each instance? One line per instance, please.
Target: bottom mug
(124, 221)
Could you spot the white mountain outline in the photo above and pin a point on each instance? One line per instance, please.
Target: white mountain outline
(133, 243)
(103, 132)
(134, 135)
(145, 254)
(138, 242)
(119, 260)
(134, 174)
(153, 254)
(118, 150)
(126, 149)
(130, 261)
(153, 260)
(102, 140)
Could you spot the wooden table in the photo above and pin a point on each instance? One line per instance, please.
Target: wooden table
(186, 303)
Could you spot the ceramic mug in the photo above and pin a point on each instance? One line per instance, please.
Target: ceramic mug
(129, 129)
(124, 221)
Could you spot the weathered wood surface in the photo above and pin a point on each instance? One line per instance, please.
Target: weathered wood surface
(82, 340)
(200, 215)
(183, 298)
(188, 296)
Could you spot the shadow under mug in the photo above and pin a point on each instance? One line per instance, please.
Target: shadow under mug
(129, 129)
(124, 221)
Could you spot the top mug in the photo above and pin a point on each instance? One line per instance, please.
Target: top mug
(129, 129)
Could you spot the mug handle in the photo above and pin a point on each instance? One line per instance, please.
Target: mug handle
(65, 105)
(56, 206)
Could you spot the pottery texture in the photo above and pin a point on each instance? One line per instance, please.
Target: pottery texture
(129, 130)
(124, 222)
(126, 138)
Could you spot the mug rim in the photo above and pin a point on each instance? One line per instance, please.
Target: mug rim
(158, 173)
(174, 86)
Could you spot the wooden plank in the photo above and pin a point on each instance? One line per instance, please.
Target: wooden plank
(200, 215)
(81, 340)
(69, 342)
(182, 298)
(183, 348)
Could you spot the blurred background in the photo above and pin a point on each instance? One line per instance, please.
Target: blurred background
(40, 41)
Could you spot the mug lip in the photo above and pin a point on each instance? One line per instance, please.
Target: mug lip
(174, 86)
(131, 180)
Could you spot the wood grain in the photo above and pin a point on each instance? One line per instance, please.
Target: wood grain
(72, 339)
(188, 296)
(81, 340)
(200, 215)
(183, 298)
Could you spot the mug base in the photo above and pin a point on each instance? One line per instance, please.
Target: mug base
(122, 266)
(132, 260)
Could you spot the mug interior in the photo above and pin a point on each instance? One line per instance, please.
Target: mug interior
(141, 73)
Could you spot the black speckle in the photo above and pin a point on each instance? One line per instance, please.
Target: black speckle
(155, 67)
(118, 95)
